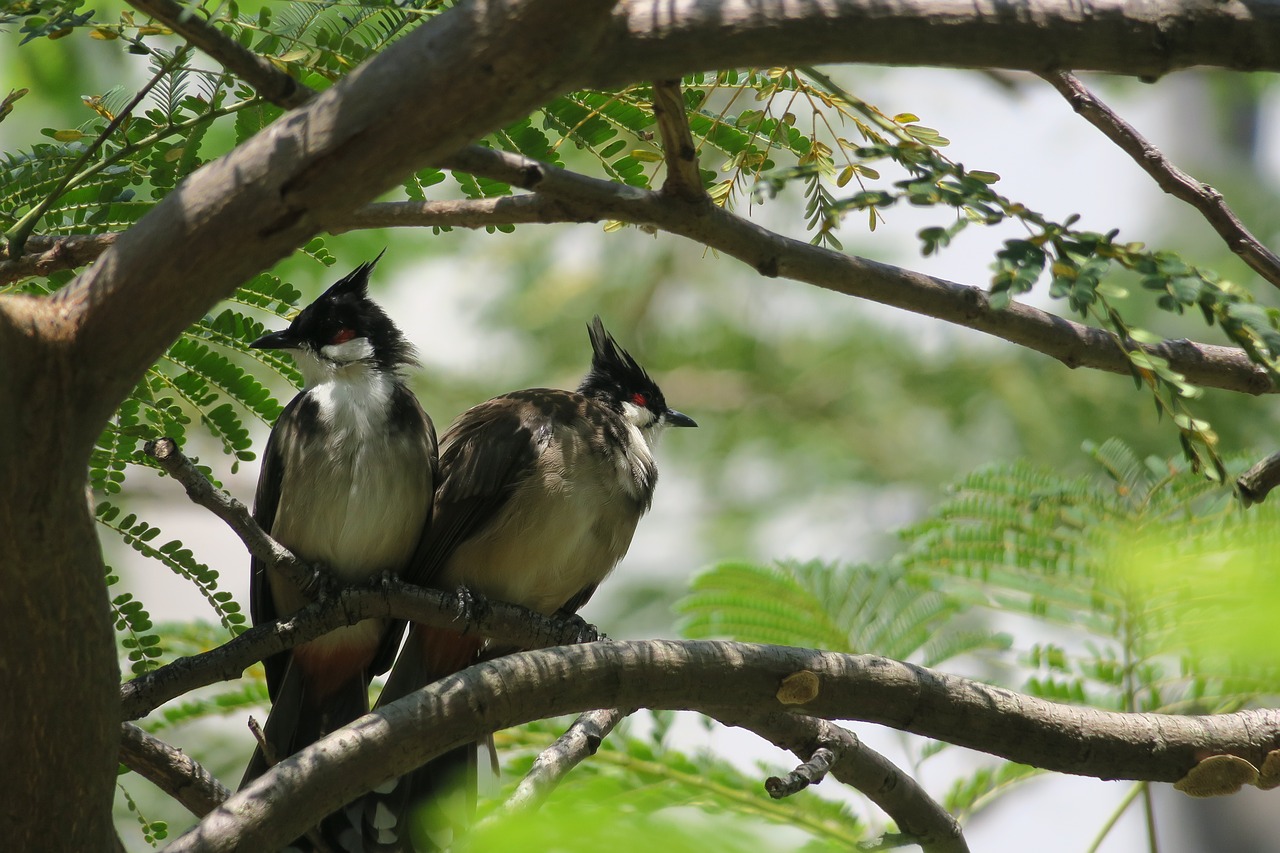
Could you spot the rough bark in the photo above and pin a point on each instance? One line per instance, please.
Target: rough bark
(59, 680)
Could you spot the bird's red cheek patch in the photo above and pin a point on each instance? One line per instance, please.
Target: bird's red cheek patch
(342, 336)
(640, 400)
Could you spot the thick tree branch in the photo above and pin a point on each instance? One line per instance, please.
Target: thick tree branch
(917, 815)
(706, 676)
(578, 743)
(171, 770)
(664, 40)
(1169, 177)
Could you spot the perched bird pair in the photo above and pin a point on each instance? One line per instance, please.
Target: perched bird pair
(533, 499)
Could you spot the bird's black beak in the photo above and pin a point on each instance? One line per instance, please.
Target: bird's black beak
(674, 418)
(276, 340)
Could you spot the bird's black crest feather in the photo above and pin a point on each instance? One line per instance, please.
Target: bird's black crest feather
(615, 375)
(355, 282)
(347, 304)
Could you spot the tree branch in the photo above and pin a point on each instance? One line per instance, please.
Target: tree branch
(771, 254)
(509, 623)
(664, 40)
(702, 676)
(339, 150)
(564, 196)
(917, 815)
(44, 255)
(1169, 177)
(166, 453)
(1255, 484)
(270, 82)
(579, 742)
(171, 770)
(683, 180)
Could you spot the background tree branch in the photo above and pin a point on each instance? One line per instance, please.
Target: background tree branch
(579, 742)
(1168, 177)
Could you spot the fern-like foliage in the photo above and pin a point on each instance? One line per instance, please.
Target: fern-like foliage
(1017, 539)
(851, 609)
(153, 831)
(1064, 553)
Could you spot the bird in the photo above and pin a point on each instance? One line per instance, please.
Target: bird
(347, 485)
(540, 494)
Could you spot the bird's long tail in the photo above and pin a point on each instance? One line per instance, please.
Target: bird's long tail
(424, 810)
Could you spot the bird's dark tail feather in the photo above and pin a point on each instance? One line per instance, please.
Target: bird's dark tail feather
(299, 718)
(423, 811)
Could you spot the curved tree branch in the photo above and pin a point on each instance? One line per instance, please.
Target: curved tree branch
(706, 675)
(917, 815)
(339, 150)
(171, 770)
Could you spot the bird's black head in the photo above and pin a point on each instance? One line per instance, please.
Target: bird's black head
(343, 327)
(618, 381)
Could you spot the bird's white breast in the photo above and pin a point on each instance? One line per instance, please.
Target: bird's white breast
(354, 494)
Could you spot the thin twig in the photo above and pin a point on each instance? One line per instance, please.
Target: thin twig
(171, 770)
(810, 772)
(579, 742)
(920, 818)
(279, 558)
(1169, 177)
(683, 180)
(270, 82)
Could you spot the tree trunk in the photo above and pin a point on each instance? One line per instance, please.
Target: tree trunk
(59, 676)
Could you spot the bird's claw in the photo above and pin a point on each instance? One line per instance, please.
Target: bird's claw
(468, 605)
(322, 585)
(579, 629)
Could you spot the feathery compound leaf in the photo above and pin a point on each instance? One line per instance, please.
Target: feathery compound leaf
(857, 609)
(137, 641)
(139, 535)
(229, 378)
(1018, 539)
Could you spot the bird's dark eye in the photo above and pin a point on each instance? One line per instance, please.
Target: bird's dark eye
(640, 399)
(342, 336)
